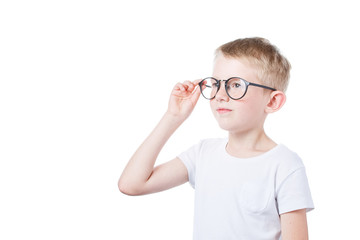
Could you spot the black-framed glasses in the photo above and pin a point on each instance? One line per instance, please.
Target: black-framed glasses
(235, 87)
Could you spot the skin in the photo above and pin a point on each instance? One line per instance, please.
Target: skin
(243, 119)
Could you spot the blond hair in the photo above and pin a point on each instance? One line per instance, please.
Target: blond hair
(274, 68)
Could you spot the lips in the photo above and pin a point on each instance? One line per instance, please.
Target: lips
(223, 110)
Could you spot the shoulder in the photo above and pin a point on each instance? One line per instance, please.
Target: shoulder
(288, 162)
(287, 158)
(210, 142)
(205, 145)
(213, 141)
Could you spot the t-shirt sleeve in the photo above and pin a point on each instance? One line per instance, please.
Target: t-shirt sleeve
(189, 158)
(294, 193)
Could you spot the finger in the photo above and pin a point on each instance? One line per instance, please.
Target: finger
(195, 95)
(180, 87)
(187, 82)
(202, 85)
(197, 81)
(192, 85)
(189, 85)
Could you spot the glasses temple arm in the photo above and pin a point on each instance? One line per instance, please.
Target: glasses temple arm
(262, 86)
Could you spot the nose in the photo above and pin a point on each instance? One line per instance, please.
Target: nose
(221, 95)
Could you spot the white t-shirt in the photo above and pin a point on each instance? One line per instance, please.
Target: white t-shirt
(242, 198)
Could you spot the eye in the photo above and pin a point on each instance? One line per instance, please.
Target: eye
(236, 85)
(214, 84)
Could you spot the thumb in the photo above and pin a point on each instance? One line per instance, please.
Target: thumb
(195, 95)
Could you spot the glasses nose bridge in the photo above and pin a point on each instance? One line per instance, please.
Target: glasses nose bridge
(225, 93)
(225, 83)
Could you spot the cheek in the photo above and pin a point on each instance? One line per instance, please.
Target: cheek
(212, 106)
(248, 111)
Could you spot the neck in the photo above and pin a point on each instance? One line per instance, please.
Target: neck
(249, 144)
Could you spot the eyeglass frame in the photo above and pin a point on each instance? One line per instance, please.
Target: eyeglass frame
(218, 83)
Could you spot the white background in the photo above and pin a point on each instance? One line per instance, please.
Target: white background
(84, 82)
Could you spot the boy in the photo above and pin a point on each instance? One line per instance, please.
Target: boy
(246, 186)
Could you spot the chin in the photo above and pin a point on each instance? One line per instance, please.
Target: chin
(237, 126)
(228, 126)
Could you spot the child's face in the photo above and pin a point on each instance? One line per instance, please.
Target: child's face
(242, 115)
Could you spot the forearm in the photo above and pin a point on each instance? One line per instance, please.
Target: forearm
(141, 164)
(137, 177)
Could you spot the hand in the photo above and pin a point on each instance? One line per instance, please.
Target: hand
(183, 99)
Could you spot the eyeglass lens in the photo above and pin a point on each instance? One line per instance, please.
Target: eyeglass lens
(236, 88)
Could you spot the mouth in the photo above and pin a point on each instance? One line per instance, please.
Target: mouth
(223, 110)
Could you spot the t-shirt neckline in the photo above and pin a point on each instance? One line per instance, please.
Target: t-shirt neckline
(260, 156)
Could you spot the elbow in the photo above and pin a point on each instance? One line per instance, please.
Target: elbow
(128, 189)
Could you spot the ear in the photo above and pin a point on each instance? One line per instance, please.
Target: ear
(276, 101)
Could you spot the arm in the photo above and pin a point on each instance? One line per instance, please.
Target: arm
(294, 225)
(139, 176)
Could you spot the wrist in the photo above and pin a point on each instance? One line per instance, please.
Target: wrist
(174, 118)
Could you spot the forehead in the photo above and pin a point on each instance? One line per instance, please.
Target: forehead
(227, 67)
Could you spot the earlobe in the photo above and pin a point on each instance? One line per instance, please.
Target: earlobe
(276, 101)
